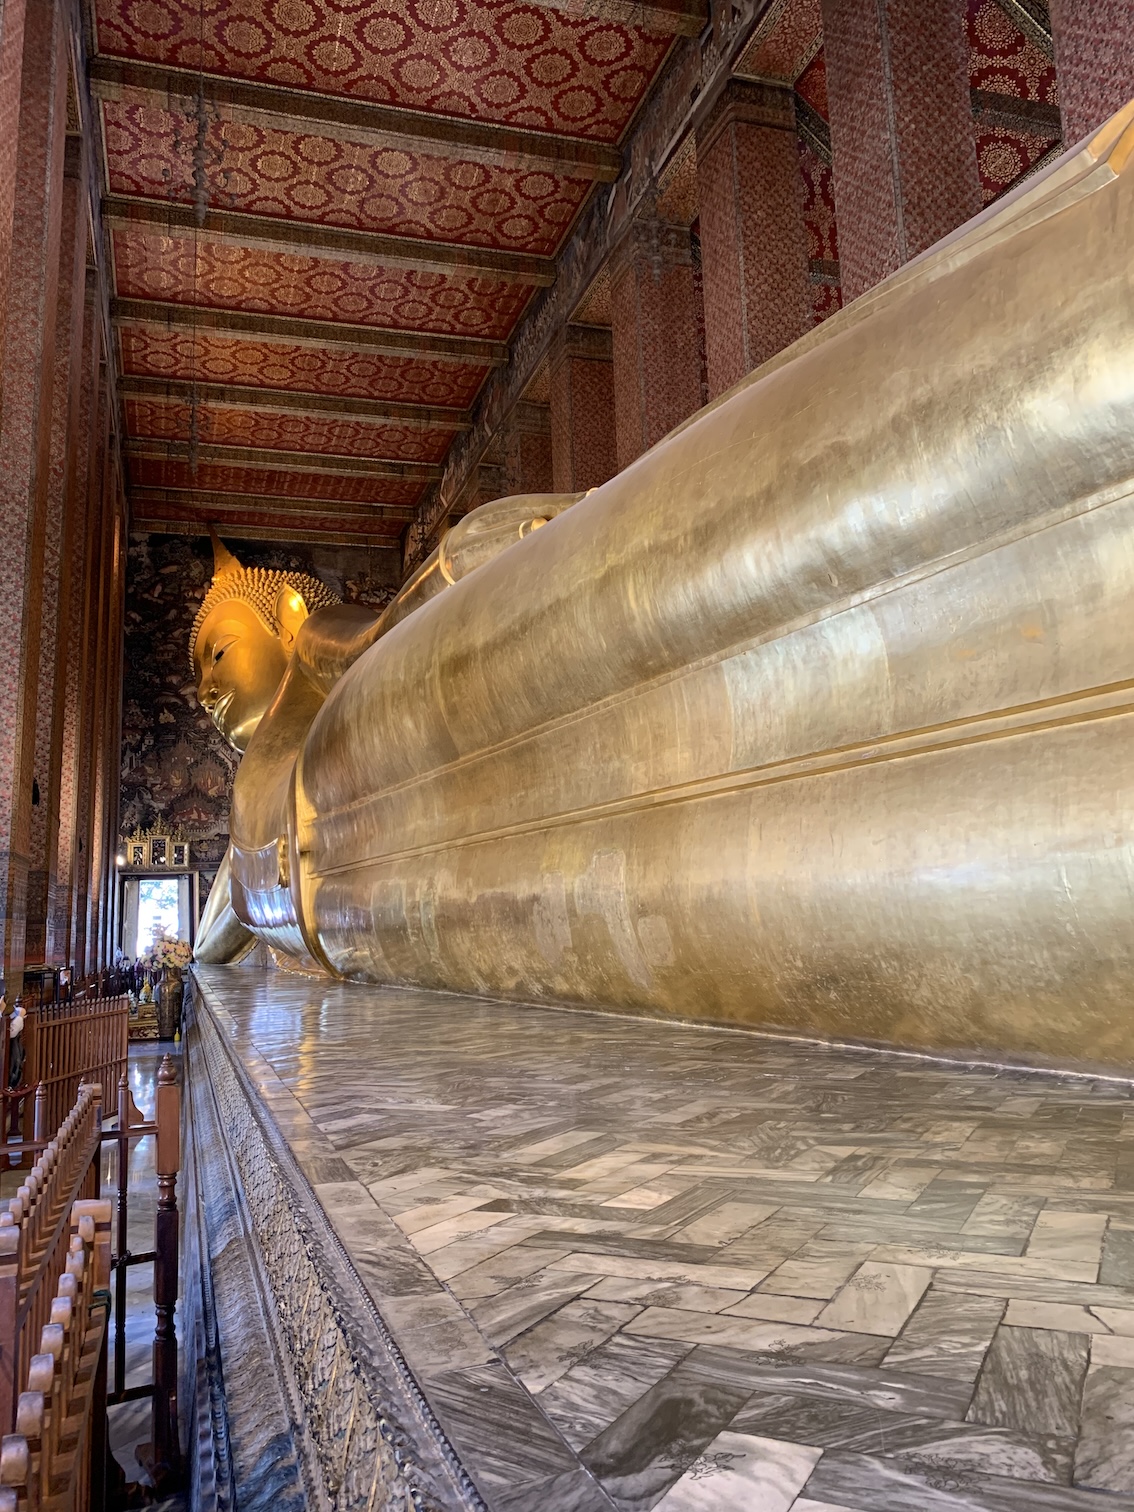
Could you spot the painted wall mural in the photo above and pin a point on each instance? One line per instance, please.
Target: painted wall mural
(176, 770)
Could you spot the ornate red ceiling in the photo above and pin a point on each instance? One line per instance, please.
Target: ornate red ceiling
(481, 59)
(157, 352)
(193, 270)
(314, 201)
(305, 177)
(227, 425)
(284, 483)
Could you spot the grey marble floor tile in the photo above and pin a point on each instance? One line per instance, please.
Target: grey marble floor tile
(738, 1470)
(755, 1336)
(501, 1436)
(501, 1271)
(819, 1270)
(875, 1484)
(547, 1351)
(859, 1227)
(727, 1277)
(1105, 1455)
(862, 1428)
(501, 1317)
(775, 1309)
(877, 1299)
(1117, 1265)
(1033, 1288)
(651, 1445)
(880, 1388)
(588, 1398)
(574, 1491)
(1032, 1380)
(1068, 1236)
(729, 1221)
(948, 1335)
(651, 1293)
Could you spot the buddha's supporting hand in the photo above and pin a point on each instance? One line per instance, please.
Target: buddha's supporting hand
(222, 938)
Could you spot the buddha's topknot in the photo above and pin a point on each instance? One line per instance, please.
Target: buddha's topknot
(257, 586)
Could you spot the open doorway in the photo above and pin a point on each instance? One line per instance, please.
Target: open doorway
(152, 904)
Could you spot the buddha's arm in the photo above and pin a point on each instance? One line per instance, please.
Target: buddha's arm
(221, 937)
(333, 639)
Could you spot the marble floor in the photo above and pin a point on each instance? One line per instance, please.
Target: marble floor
(636, 1265)
(130, 1422)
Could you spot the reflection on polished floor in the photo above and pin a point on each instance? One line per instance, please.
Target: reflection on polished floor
(639, 1265)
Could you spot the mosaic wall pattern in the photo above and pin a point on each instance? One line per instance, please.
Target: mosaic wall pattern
(216, 477)
(314, 178)
(315, 288)
(822, 233)
(1002, 61)
(812, 85)
(176, 770)
(482, 59)
(155, 352)
(221, 425)
(785, 41)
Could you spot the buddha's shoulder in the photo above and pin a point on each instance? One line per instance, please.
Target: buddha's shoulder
(331, 639)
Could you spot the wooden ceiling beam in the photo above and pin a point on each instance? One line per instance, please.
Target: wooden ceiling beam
(268, 233)
(323, 335)
(328, 406)
(349, 120)
(304, 530)
(674, 18)
(148, 500)
(281, 461)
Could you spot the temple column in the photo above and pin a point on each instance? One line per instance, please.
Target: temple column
(902, 135)
(526, 445)
(26, 360)
(57, 575)
(88, 661)
(753, 239)
(581, 372)
(656, 337)
(1094, 62)
(85, 413)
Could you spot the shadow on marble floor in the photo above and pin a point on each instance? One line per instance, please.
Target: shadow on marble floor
(638, 1265)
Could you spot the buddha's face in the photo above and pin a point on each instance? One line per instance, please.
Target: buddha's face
(239, 664)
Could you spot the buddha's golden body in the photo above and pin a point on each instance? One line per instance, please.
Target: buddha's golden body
(817, 717)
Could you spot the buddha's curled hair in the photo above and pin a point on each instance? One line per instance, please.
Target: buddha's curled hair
(257, 586)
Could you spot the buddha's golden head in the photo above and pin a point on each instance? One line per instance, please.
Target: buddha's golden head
(243, 636)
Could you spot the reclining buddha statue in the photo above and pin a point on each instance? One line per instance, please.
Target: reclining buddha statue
(817, 717)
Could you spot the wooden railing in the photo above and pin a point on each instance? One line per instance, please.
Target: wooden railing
(65, 1043)
(72, 1043)
(54, 1304)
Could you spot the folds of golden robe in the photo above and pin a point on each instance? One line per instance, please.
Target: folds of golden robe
(818, 716)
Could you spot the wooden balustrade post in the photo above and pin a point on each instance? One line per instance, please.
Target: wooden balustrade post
(9, 1309)
(39, 1123)
(122, 1145)
(166, 1467)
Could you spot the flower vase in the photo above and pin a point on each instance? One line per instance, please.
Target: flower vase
(169, 1002)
